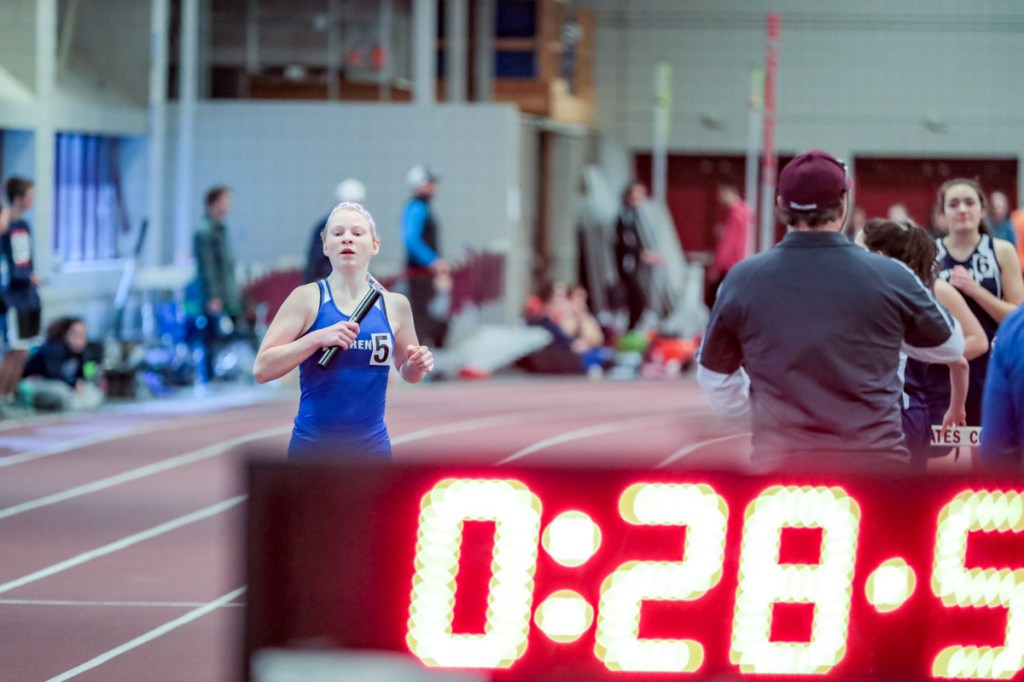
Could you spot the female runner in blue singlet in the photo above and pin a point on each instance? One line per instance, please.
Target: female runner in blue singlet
(341, 408)
(986, 271)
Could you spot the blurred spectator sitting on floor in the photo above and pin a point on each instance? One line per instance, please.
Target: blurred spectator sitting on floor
(576, 337)
(318, 266)
(999, 218)
(55, 375)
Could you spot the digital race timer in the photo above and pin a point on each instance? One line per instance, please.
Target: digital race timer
(574, 574)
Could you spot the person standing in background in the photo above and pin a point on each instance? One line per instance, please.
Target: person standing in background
(633, 260)
(16, 244)
(219, 291)
(5, 275)
(858, 219)
(318, 266)
(423, 263)
(987, 273)
(1017, 218)
(999, 218)
(733, 236)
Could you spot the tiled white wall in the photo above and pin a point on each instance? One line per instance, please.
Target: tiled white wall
(869, 77)
(283, 161)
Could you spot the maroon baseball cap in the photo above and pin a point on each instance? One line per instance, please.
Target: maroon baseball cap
(813, 180)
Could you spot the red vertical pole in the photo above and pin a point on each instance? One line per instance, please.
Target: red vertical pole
(768, 165)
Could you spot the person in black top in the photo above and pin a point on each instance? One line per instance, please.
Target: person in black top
(57, 368)
(318, 266)
(633, 260)
(806, 337)
(16, 246)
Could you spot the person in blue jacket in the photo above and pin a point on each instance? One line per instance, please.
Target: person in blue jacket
(423, 263)
(341, 408)
(1002, 404)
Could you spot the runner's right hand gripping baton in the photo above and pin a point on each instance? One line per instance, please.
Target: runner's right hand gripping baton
(357, 316)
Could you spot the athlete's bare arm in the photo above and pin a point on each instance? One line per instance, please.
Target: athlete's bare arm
(286, 345)
(412, 360)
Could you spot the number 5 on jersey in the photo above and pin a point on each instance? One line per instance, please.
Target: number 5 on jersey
(381, 354)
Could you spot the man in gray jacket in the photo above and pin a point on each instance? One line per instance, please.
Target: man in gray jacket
(806, 336)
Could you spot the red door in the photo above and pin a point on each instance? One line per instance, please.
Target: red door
(879, 182)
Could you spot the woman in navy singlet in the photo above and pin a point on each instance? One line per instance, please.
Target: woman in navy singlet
(914, 246)
(341, 408)
(985, 270)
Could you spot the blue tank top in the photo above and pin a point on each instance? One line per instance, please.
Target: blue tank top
(342, 405)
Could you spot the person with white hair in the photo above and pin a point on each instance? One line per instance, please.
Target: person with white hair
(318, 266)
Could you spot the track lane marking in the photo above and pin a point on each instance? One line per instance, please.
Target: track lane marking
(127, 541)
(185, 619)
(687, 449)
(587, 432)
(141, 472)
(107, 604)
(85, 441)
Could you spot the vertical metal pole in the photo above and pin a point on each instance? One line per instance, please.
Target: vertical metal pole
(252, 38)
(424, 51)
(334, 49)
(756, 106)
(387, 12)
(483, 51)
(45, 134)
(769, 166)
(157, 129)
(662, 126)
(185, 209)
(455, 38)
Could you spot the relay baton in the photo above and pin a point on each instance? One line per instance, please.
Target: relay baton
(357, 316)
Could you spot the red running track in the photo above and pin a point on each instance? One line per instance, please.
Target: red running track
(120, 531)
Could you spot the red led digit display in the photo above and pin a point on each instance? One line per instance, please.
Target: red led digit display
(550, 575)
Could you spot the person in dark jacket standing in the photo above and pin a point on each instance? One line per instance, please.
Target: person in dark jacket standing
(633, 260)
(220, 294)
(16, 245)
(423, 262)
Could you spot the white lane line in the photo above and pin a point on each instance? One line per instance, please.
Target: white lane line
(588, 432)
(124, 542)
(86, 441)
(684, 451)
(141, 472)
(108, 604)
(467, 425)
(149, 636)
